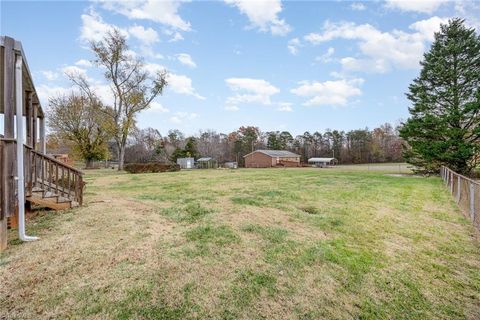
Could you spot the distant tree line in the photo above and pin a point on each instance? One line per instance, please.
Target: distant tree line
(381, 144)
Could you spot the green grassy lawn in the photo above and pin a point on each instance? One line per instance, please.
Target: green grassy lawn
(249, 244)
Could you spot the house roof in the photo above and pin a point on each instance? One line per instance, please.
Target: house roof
(204, 159)
(276, 153)
(321, 159)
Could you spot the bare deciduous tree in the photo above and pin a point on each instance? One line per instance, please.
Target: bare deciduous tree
(132, 87)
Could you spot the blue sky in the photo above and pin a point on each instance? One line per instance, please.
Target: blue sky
(287, 65)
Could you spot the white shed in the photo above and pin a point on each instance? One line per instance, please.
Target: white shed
(322, 162)
(186, 163)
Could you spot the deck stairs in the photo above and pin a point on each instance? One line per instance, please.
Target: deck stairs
(51, 183)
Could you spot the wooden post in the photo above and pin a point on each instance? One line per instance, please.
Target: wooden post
(459, 188)
(8, 160)
(452, 182)
(472, 201)
(3, 215)
(35, 126)
(29, 119)
(42, 147)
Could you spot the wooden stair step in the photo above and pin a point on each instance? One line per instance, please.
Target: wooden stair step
(61, 199)
(37, 189)
(49, 202)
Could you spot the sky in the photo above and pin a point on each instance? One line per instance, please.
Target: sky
(278, 65)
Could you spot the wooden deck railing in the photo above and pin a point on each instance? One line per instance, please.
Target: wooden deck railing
(42, 174)
(50, 175)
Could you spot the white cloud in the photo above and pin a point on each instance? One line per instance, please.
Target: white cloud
(45, 92)
(333, 92)
(263, 15)
(174, 35)
(186, 59)
(468, 9)
(293, 45)
(94, 28)
(164, 12)
(285, 107)
(250, 90)
(384, 50)
(154, 68)
(83, 63)
(50, 75)
(327, 56)
(366, 65)
(232, 108)
(157, 107)
(428, 27)
(422, 6)
(147, 36)
(358, 6)
(181, 117)
(74, 70)
(104, 92)
(182, 85)
(147, 51)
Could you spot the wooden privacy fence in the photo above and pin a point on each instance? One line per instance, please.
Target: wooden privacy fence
(466, 192)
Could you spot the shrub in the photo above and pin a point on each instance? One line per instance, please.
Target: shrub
(151, 167)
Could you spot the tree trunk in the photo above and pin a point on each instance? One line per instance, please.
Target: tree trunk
(121, 157)
(89, 164)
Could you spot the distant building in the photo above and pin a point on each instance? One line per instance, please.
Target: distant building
(230, 165)
(62, 157)
(322, 162)
(186, 163)
(271, 158)
(206, 163)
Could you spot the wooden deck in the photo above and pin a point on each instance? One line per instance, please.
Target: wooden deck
(47, 181)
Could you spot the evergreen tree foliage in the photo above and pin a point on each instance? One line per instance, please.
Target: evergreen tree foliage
(444, 127)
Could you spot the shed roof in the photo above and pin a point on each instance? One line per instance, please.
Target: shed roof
(276, 153)
(321, 159)
(204, 159)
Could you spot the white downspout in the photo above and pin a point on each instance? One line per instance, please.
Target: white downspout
(20, 176)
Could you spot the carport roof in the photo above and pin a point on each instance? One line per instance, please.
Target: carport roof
(276, 153)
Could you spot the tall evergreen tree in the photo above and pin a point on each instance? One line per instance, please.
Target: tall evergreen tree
(444, 128)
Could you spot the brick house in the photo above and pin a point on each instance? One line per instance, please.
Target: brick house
(271, 158)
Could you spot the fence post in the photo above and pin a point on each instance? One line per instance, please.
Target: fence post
(472, 201)
(459, 188)
(452, 182)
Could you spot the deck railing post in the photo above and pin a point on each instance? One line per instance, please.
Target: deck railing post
(452, 182)
(459, 188)
(42, 143)
(35, 127)
(472, 201)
